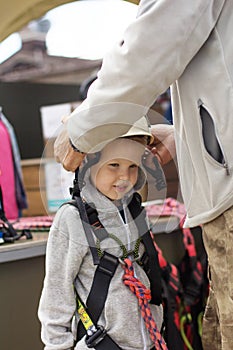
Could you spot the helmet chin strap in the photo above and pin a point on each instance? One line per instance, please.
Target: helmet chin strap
(153, 167)
(79, 183)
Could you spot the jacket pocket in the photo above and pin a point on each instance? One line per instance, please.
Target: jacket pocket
(210, 137)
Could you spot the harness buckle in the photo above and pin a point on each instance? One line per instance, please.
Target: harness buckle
(96, 337)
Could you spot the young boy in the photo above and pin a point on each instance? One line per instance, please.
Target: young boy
(108, 180)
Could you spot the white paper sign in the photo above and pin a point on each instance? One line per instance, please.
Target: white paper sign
(51, 117)
(58, 182)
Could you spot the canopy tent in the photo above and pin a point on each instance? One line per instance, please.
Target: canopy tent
(14, 14)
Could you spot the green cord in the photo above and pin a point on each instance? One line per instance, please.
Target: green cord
(136, 248)
(122, 246)
(199, 322)
(183, 320)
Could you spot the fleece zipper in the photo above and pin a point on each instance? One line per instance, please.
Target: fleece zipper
(224, 162)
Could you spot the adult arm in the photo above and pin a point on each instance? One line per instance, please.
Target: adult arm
(153, 53)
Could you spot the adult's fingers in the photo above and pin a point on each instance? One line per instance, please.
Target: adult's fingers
(163, 146)
(65, 154)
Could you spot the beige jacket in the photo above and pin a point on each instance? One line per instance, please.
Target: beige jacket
(186, 44)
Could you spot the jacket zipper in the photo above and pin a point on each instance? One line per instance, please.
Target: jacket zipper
(224, 164)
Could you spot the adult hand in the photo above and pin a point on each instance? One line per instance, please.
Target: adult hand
(65, 154)
(163, 146)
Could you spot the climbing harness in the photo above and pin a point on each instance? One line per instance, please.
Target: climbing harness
(96, 336)
(166, 279)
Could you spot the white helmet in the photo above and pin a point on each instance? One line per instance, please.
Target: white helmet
(140, 128)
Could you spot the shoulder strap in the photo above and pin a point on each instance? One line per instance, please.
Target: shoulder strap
(150, 261)
(99, 289)
(78, 203)
(106, 267)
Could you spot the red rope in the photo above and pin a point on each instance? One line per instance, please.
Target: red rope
(144, 295)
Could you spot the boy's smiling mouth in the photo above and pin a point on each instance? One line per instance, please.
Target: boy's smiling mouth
(122, 187)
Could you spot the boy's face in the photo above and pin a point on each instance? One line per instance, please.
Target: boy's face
(116, 173)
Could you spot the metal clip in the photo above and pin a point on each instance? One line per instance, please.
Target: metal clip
(96, 337)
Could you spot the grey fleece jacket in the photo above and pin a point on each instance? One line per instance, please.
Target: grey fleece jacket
(69, 260)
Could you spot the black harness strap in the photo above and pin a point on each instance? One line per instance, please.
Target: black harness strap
(106, 267)
(152, 270)
(99, 290)
(150, 261)
(87, 228)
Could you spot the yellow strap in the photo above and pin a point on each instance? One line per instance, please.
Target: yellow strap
(84, 317)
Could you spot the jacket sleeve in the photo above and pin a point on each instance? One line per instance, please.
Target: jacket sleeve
(152, 54)
(57, 304)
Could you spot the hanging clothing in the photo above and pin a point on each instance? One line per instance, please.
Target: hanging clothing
(7, 177)
(19, 186)
(11, 179)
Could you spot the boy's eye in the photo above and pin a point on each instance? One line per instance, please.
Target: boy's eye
(134, 166)
(114, 165)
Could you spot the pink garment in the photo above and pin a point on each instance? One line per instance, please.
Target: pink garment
(170, 207)
(7, 178)
(34, 223)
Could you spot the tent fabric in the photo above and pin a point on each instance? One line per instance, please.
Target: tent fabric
(14, 14)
